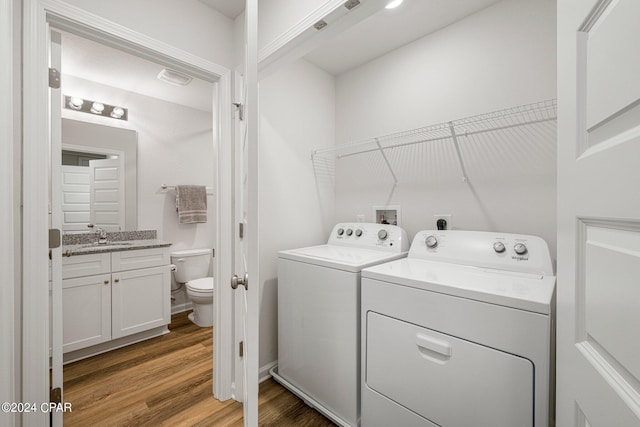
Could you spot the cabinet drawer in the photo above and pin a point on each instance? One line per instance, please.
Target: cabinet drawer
(86, 265)
(139, 258)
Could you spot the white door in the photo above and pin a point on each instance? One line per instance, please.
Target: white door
(55, 222)
(75, 198)
(598, 345)
(107, 193)
(246, 213)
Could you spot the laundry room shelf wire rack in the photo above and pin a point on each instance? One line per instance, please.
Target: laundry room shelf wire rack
(503, 120)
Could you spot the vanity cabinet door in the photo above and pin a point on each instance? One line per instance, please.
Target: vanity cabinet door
(86, 304)
(141, 300)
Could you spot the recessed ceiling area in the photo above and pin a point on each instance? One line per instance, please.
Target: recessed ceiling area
(112, 67)
(389, 29)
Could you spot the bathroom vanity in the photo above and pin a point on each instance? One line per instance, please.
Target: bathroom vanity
(113, 295)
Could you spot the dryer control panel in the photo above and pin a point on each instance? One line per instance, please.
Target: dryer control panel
(502, 251)
(364, 234)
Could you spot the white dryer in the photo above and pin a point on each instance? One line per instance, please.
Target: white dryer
(459, 333)
(319, 315)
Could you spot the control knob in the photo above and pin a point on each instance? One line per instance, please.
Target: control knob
(340, 231)
(382, 234)
(520, 248)
(431, 241)
(358, 232)
(499, 247)
(349, 232)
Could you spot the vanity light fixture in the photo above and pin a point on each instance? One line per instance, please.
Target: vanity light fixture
(393, 4)
(96, 108)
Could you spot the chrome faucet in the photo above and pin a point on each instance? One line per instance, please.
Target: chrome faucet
(102, 236)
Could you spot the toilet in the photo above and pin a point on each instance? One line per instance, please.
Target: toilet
(192, 269)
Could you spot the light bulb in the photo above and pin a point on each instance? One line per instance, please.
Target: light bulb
(117, 112)
(393, 4)
(75, 103)
(97, 108)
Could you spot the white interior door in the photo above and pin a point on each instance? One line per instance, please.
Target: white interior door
(246, 213)
(75, 198)
(55, 222)
(598, 349)
(106, 189)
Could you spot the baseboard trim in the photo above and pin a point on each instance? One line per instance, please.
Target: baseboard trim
(179, 308)
(264, 374)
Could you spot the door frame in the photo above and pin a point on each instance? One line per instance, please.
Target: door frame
(38, 14)
(8, 362)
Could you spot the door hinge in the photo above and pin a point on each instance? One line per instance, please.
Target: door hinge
(54, 78)
(241, 230)
(54, 238)
(241, 348)
(240, 108)
(55, 395)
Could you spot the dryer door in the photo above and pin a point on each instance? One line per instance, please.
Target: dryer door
(448, 381)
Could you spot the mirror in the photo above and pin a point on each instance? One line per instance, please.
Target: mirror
(99, 177)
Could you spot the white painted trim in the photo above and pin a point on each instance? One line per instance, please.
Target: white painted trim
(7, 276)
(37, 14)
(181, 308)
(252, 338)
(264, 371)
(35, 295)
(224, 322)
(299, 28)
(239, 302)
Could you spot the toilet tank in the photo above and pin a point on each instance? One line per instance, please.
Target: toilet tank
(191, 264)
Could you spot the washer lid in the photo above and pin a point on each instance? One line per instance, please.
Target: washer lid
(524, 291)
(204, 284)
(340, 257)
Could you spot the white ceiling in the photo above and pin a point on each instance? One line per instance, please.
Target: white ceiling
(229, 8)
(389, 29)
(379, 34)
(101, 64)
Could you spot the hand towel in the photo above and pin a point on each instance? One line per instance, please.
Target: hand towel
(191, 201)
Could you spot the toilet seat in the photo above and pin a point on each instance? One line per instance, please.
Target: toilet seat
(203, 285)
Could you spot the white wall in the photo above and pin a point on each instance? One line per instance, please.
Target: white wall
(501, 57)
(186, 24)
(175, 146)
(297, 110)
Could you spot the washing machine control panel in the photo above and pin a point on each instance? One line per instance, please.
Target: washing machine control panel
(512, 252)
(376, 236)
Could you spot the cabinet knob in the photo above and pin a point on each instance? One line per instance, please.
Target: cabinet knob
(116, 280)
(106, 282)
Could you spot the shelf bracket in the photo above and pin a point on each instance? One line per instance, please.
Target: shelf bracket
(386, 160)
(465, 178)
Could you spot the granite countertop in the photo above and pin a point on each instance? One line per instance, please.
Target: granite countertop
(87, 243)
(113, 246)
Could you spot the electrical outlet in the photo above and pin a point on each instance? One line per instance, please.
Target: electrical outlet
(360, 217)
(446, 218)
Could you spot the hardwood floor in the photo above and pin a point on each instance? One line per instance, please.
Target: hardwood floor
(167, 381)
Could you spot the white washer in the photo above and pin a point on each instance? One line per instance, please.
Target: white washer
(459, 333)
(319, 315)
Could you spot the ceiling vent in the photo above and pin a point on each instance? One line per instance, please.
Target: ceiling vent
(174, 77)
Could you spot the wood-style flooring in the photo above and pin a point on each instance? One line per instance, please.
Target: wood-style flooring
(167, 381)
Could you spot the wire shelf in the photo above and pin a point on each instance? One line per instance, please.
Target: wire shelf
(502, 120)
